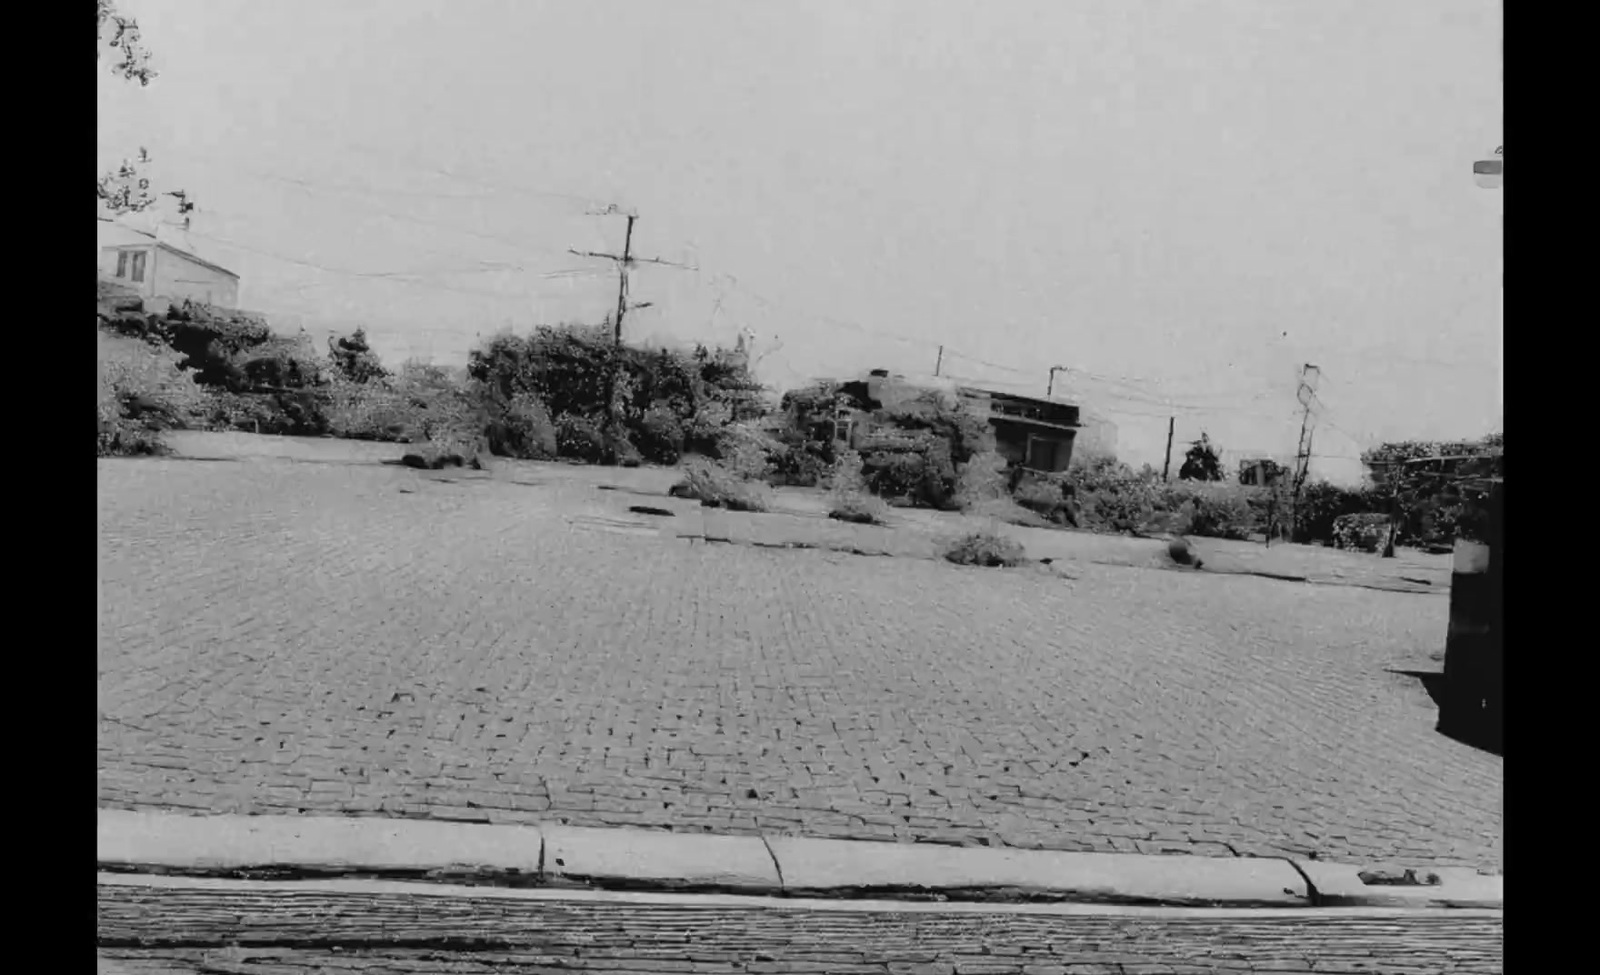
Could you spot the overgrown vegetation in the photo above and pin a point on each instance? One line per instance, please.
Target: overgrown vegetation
(564, 391)
(570, 392)
(142, 391)
(848, 497)
(985, 548)
(717, 485)
(981, 490)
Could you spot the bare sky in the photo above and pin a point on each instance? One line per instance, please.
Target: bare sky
(1180, 201)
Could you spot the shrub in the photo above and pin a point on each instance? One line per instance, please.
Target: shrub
(846, 474)
(1208, 510)
(860, 508)
(747, 451)
(580, 438)
(982, 478)
(1112, 496)
(667, 402)
(848, 498)
(619, 449)
(141, 391)
(373, 410)
(715, 485)
(897, 474)
(966, 432)
(210, 339)
(1363, 532)
(278, 363)
(981, 490)
(353, 359)
(703, 428)
(1047, 498)
(659, 435)
(803, 464)
(986, 548)
(1320, 504)
(523, 429)
(302, 411)
(448, 450)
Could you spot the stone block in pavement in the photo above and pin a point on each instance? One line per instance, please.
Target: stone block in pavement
(1340, 885)
(627, 858)
(815, 866)
(318, 844)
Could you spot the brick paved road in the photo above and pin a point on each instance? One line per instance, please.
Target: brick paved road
(283, 637)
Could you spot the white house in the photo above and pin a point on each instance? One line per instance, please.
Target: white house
(161, 272)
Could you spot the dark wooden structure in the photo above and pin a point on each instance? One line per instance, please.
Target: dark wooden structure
(1035, 434)
(1471, 708)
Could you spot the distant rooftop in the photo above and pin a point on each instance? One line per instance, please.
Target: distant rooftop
(163, 245)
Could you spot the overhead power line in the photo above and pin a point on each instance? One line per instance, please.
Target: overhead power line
(501, 239)
(395, 277)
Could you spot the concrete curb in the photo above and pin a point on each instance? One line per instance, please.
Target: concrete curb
(576, 856)
(1339, 885)
(305, 845)
(299, 847)
(812, 866)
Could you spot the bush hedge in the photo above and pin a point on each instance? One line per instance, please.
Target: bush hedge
(716, 485)
(985, 548)
(142, 390)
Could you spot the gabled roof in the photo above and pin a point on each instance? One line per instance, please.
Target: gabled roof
(163, 245)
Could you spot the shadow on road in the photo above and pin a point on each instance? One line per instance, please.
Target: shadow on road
(1484, 739)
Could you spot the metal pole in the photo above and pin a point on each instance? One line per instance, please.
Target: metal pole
(622, 283)
(1166, 468)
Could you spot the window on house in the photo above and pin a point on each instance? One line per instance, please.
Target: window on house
(138, 266)
(122, 264)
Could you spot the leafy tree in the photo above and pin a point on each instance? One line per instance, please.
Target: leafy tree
(1430, 502)
(354, 358)
(1201, 462)
(133, 61)
(126, 189)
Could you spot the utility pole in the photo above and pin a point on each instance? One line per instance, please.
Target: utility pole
(1051, 386)
(939, 362)
(1166, 468)
(1307, 395)
(624, 264)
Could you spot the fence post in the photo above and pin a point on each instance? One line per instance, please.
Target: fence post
(1471, 705)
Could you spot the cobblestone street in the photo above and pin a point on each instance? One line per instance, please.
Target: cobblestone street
(282, 637)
